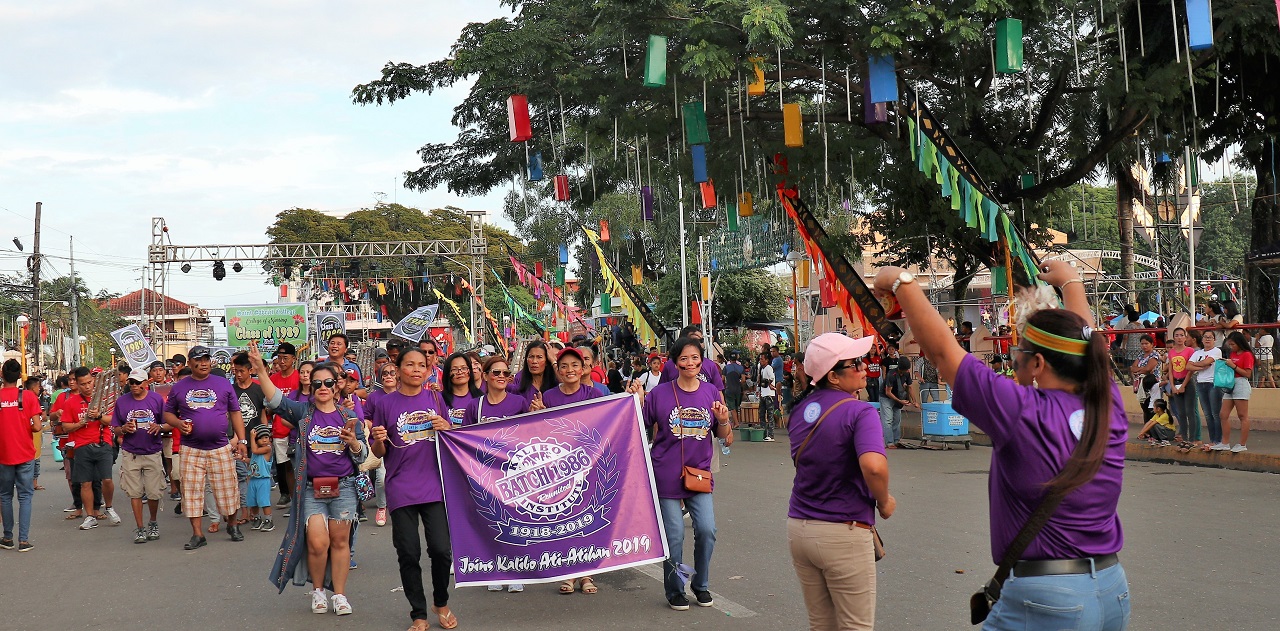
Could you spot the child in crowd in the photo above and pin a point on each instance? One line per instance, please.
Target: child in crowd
(1160, 429)
(260, 481)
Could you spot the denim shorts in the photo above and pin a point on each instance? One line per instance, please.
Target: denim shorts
(1241, 392)
(341, 508)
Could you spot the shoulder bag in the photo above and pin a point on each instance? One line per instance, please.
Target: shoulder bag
(876, 541)
(1224, 376)
(980, 603)
(694, 480)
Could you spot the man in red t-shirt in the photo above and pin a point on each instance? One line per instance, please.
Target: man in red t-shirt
(19, 419)
(287, 381)
(90, 439)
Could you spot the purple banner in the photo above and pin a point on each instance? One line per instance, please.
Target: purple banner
(551, 495)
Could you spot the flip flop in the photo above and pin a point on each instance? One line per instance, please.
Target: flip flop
(73, 516)
(447, 619)
(420, 625)
(213, 527)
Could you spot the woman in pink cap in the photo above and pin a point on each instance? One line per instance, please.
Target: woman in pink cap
(1058, 430)
(842, 480)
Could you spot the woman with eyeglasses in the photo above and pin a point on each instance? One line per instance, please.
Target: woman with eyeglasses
(405, 423)
(460, 390)
(841, 482)
(537, 373)
(496, 404)
(388, 381)
(324, 508)
(1059, 431)
(685, 416)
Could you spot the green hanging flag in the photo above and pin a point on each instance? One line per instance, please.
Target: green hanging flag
(962, 198)
(944, 176)
(655, 62)
(999, 282)
(993, 211)
(560, 276)
(695, 123)
(956, 196)
(1027, 180)
(606, 303)
(733, 217)
(911, 138)
(1009, 46)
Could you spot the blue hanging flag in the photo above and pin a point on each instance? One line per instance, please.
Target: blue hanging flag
(883, 77)
(699, 155)
(1199, 27)
(535, 166)
(564, 254)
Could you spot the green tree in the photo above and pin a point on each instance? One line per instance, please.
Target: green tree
(754, 295)
(96, 324)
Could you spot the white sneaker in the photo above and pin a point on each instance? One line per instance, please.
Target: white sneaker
(340, 605)
(494, 588)
(515, 588)
(90, 522)
(113, 516)
(1239, 448)
(319, 604)
(1221, 447)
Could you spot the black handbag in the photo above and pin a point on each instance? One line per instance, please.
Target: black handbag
(980, 603)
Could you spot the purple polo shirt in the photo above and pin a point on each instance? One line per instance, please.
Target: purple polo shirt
(511, 405)
(1032, 431)
(687, 427)
(828, 485)
(207, 403)
(145, 414)
(413, 471)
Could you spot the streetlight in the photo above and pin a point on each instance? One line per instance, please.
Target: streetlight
(793, 261)
(22, 321)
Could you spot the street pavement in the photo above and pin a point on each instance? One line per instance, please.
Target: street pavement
(1200, 554)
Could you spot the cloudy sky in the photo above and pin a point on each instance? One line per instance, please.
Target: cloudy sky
(215, 116)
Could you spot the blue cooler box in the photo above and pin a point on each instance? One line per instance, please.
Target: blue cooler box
(940, 419)
(874, 404)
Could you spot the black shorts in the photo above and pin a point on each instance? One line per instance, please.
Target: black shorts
(92, 463)
(733, 401)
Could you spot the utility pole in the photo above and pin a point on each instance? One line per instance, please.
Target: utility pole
(34, 265)
(75, 308)
(684, 275)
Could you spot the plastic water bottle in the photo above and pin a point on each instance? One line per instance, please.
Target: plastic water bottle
(724, 447)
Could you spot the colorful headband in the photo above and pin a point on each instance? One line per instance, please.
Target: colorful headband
(1050, 341)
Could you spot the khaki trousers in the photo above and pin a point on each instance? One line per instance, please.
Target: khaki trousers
(836, 566)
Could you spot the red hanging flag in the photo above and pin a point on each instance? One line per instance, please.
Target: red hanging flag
(562, 188)
(518, 118)
(537, 269)
(604, 231)
(708, 194)
(695, 312)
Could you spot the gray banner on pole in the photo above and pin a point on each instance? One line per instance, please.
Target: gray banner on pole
(137, 350)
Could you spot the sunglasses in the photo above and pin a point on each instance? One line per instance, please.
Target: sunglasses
(327, 383)
(430, 353)
(501, 373)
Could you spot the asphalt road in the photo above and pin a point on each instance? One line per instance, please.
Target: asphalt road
(1201, 551)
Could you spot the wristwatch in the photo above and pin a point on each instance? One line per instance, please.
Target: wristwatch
(904, 277)
(244, 442)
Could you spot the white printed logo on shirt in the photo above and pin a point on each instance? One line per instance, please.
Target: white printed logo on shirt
(1076, 423)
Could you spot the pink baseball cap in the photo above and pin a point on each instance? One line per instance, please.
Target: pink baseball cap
(828, 349)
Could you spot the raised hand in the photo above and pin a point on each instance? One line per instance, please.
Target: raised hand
(720, 411)
(537, 404)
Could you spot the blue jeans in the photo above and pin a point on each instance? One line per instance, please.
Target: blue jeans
(21, 476)
(891, 422)
(1098, 601)
(1211, 398)
(702, 511)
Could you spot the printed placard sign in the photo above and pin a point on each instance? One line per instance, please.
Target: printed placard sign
(221, 358)
(269, 325)
(137, 350)
(550, 495)
(328, 323)
(413, 326)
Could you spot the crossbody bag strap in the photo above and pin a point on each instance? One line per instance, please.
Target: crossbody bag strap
(1029, 531)
(796, 459)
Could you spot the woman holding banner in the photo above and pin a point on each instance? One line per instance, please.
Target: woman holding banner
(405, 423)
(459, 390)
(685, 416)
(324, 508)
(494, 405)
(569, 365)
(537, 374)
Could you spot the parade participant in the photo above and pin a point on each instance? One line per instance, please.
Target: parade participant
(178, 361)
(496, 404)
(387, 376)
(710, 371)
(158, 380)
(570, 367)
(19, 418)
(589, 366)
(537, 374)
(287, 380)
(895, 394)
(323, 511)
(201, 408)
(35, 386)
(90, 438)
(841, 481)
(1239, 357)
(138, 419)
(61, 400)
(1210, 396)
(1059, 431)
(250, 396)
(477, 371)
(435, 376)
(337, 346)
(459, 390)
(768, 400)
(873, 375)
(394, 347)
(405, 423)
(685, 416)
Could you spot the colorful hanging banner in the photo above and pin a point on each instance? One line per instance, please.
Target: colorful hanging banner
(551, 495)
(457, 313)
(646, 322)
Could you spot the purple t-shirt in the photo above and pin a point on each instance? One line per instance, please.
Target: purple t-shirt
(1034, 432)
(207, 403)
(459, 407)
(413, 471)
(689, 426)
(145, 413)
(371, 402)
(555, 397)
(511, 405)
(357, 408)
(828, 485)
(710, 373)
(326, 453)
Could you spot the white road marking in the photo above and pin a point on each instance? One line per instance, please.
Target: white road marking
(732, 609)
